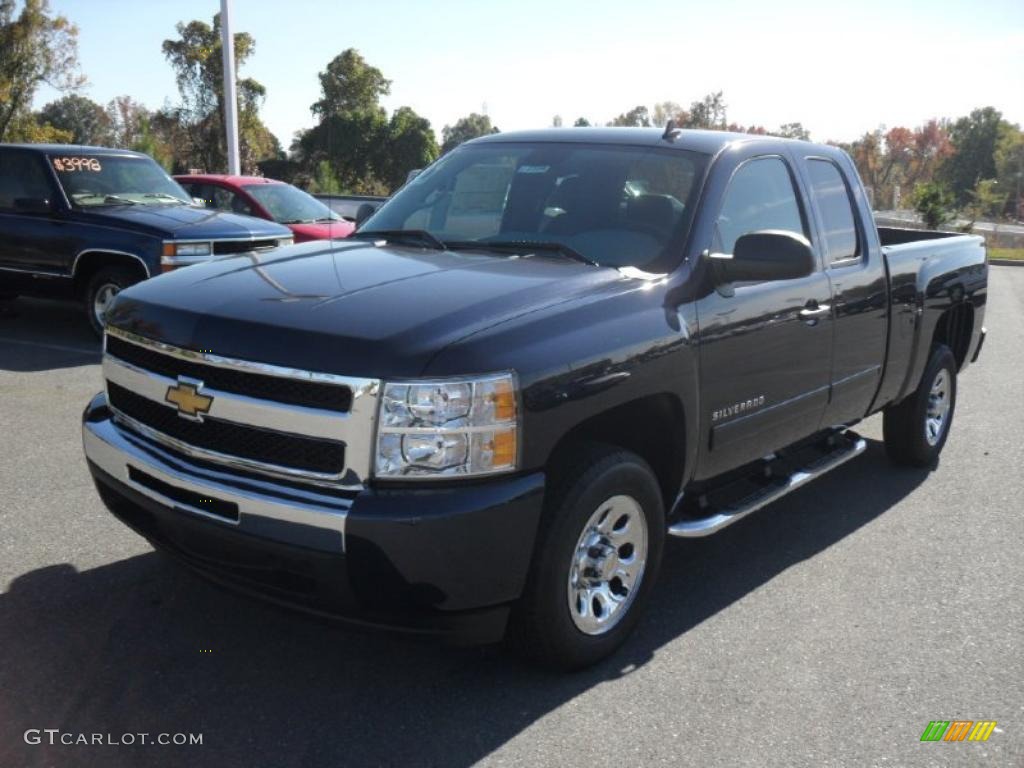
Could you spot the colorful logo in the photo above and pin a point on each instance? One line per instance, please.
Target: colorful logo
(958, 730)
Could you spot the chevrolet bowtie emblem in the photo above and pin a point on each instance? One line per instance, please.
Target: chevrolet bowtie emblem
(185, 396)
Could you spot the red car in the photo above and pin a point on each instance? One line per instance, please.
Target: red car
(269, 199)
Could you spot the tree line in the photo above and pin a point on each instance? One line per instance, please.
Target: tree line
(973, 164)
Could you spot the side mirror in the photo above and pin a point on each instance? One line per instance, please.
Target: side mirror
(413, 174)
(199, 202)
(32, 205)
(766, 255)
(363, 212)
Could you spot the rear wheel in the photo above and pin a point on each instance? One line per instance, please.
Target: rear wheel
(101, 291)
(598, 553)
(916, 429)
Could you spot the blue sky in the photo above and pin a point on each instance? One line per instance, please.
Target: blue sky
(841, 69)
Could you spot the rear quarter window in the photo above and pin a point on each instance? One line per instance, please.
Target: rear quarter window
(833, 198)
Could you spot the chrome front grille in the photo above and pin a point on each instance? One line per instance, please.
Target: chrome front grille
(281, 422)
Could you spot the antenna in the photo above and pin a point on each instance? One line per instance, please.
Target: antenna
(671, 131)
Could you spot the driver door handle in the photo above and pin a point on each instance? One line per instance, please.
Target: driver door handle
(813, 311)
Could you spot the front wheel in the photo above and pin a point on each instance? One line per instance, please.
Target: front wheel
(101, 290)
(916, 428)
(598, 553)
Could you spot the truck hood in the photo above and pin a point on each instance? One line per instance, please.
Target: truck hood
(350, 308)
(184, 222)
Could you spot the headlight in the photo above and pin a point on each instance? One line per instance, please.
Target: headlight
(183, 254)
(446, 428)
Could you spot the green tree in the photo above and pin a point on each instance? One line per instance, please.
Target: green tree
(145, 140)
(350, 85)
(465, 128)
(708, 113)
(1009, 160)
(581, 122)
(410, 145)
(934, 202)
(126, 117)
(974, 138)
(324, 180)
(793, 131)
(198, 66)
(83, 118)
(668, 110)
(637, 117)
(35, 48)
(987, 201)
(355, 147)
(351, 143)
(26, 128)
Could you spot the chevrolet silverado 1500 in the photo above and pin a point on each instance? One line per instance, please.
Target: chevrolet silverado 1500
(482, 416)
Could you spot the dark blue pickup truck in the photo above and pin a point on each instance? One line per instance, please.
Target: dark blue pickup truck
(85, 222)
(483, 413)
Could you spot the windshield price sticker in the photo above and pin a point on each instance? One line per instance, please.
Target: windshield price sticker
(77, 164)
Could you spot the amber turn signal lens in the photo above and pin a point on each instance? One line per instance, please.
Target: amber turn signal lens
(504, 449)
(504, 399)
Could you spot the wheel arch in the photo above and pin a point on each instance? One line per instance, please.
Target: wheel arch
(955, 328)
(652, 426)
(88, 262)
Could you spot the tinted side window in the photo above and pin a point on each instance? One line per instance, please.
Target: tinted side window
(836, 209)
(760, 196)
(22, 175)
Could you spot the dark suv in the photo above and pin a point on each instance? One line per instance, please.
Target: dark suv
(85, 222)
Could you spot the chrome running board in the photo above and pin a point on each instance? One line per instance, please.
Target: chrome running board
(838, 449)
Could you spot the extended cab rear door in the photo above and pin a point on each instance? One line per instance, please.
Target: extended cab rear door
(860, 289)
(765, 347)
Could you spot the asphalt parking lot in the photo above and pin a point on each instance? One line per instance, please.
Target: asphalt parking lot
(827, 630)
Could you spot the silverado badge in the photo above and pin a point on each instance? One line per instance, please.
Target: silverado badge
(185, 396)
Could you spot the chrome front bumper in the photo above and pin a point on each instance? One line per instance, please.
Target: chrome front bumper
(281, 512)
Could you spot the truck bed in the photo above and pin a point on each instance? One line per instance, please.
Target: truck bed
(929, 272)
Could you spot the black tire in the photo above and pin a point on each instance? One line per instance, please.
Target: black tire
(542, 626)
(107, 279)
(909, 426)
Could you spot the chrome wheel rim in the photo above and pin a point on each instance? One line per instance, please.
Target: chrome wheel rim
(102, 300)
(607, 565)
(937, 415)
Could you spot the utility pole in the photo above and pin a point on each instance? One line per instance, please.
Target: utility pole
(227, 44)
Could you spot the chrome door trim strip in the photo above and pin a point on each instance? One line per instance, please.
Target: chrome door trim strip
(857, 375)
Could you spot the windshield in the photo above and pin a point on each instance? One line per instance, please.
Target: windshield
(90, 180)
(610, 204)
(289, 205)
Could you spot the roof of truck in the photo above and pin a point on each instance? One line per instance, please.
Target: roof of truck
(66, 149)
(709, 142)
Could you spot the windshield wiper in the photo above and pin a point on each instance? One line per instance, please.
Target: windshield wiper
(165, 196)
(107, 199)
(526, 246)
(421, 235)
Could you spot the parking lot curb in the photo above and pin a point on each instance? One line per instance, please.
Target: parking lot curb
(1007, 262)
